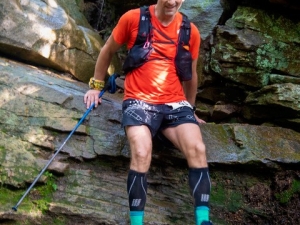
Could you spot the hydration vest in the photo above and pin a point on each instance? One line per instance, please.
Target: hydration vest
(142, 48)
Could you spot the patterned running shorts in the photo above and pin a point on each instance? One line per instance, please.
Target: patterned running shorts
(155, 116)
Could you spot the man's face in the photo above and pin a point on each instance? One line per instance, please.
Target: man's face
(169, 7)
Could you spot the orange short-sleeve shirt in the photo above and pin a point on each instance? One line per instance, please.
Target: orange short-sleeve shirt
(156, 81)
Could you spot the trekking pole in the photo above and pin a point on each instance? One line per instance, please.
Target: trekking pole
(111, 87)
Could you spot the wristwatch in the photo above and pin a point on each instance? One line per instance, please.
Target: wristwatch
(96, 84)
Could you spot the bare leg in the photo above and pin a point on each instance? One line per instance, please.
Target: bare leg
(140, 141)
(187, 137)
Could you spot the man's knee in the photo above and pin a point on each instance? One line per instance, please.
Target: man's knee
(140, 160)
(201, 149)
(143, 155)
(197, 151)
(196, 156)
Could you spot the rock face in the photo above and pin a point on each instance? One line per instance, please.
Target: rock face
(39, 109)
(44, 33)
(198, 12)
(248, 93)
(256, 54)
(245, 51)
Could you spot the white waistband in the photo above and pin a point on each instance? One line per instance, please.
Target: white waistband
(176, 105)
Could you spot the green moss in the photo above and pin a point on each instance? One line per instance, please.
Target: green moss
(222, 196)
(230, 200)
(235, 201)
(285, 196)
(2, 154)
(218, 195)
(60, 220)
(4, 130)
(42, 195)
(46, 192)
(8, 198)
(272, 55)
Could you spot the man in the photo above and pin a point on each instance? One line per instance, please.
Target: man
(155, 100)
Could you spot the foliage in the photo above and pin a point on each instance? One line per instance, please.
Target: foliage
(46, 192)
(285, 196)
(37, 200)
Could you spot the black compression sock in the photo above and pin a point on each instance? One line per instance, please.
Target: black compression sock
(137, 190)
(200, 185)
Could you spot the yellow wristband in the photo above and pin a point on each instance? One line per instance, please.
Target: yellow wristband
(96, 84)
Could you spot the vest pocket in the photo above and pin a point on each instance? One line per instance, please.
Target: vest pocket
(183, 63)
(137, 56)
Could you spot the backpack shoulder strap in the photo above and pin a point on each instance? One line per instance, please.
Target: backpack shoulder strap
(185, 30)
(144, 25)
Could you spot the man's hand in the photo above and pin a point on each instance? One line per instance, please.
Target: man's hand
(90, 97)
(199, 120)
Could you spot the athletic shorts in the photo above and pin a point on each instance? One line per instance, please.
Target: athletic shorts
(155, 116)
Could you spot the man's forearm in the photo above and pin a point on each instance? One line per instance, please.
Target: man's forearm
(190, 90)
(105, 57)
(191, 86)
(102, 64)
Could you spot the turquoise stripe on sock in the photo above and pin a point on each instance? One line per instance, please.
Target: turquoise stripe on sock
(201, 214)
(136, 217)
(136, 213)
(202, 208)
